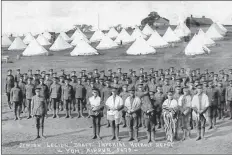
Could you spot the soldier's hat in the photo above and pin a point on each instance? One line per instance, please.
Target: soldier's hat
(73, 71)
(151, 68)
(134, 71)
(97, 78)
(29, 70)
(95, 69)
(161, 74)
(178, 86)
(107, 81)
(37, 70)
(92, 81)
(170, 92)
(79, 79)
(62, 70)
(140, 85)
(50, 70)
(110, 70)
(21, 77)
(61, 77)
(182, 68)
(128, 78)
(124, 85)
(9, 70)
(74, 76)
(179, 79)
(159, 85)
(205, 81)
(94, 89)
(186, 88)
(226, 74)
(167, 78)
(172, 67)
(37, 89)
(114, 88)
(215, 75)
(43, 72)
(83, 70)
(90, 73)
(87, 79)
(124, 74)
(130, 70)
(47, 74)
(114, 73)
(131, 89)
(18, 69)
(119, 68)
(141, 69)
(160, 69)
(115, 77)
(152, 90)
(153, 77)
(230, 69)
(211, 72)
(173, 74)
(155, 71)
(202, 75)
(166, 70)
(55, 78)
(198, 69)
(230, 81)
(102, 71)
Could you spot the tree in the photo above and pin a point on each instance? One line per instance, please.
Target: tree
(152, 17)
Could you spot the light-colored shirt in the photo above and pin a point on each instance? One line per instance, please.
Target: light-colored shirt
(200, 102)
(94, 101)
(136, 103)
(185, 102)
(170, 103)
(114, 103)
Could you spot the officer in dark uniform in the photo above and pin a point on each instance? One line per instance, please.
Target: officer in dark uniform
(30, 91)
(229, 98)
(221, 106)
(39, 111)
(73, 83)
(61, 82)
(79, 90)
(9, 85)
(159, 98)
(134, 78)
(16, 98)
(119, 73)
(22, 87)
(55, 96)
(44, 91)
(67, 97)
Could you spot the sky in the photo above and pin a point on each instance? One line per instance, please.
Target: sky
(20, 17)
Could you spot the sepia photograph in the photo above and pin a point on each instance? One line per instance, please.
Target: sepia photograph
(116, 77)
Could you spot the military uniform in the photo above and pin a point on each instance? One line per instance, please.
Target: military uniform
(124, 95)
(55, 96)
(159, 98)
(221, 106)
(30, 92)
(22, 87)
(16, 98)
(80, 96)
(229, 99)
(67, 96)
(8, 86)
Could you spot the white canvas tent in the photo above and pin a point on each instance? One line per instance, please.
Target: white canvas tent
(34, 48)
(106, 43)
(147, 30)
(47, 35)
(78, 33)
(195, 47)
(97, 36)
(29, 37)
(228, 20)
(112, 33)
(140, 47)
(170, 36)
(182, 30)
(60, 44)
(42, 40)
(17, 44)
(124, 37)
(213, 33)
(78, 38)
(6, 42)
(137, 33)
(221, 29)
(208, 42)
(157, 41)
(65, 37)
(83, 48)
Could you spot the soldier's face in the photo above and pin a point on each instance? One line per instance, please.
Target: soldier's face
(199, 90)
(29, 81)
(185, 92)
(124, 89)
(159, 89)
(170, 96)
(178, 90)
(66, 82)
(37, 92)
(9, 72)
(79, 81)
(94, 93)
(41, 81)
(151, 94)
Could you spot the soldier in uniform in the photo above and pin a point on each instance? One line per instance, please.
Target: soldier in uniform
(29, 74)
(95, 74)
(22, 87)
(39, 111)
(149, 116)
(30, 91)
(95, 106)
(103, 76)
(73, 84)
(162, 79)
(134, 78)
(35, 80)
(152, 71)
(205, 86)
(141, 71)
(61, 82)
(132, 107)
(101, 86)
(16, 98)
(215, 80)
(80, 90)
(67, 97)
(51, 73)
(221, 106)
(119, 73)
(37, 72)
(44, 90)
(159, 98)
(152, 85)
(115, 84)
(9, 85)
(48, 82)
(214, 99)
(130, 73)
(225, 81)
(63, 73)
(124, 94)
(55, 96)
(43, 74)
(110, 72)
(25, 77)
(18, 75)
(161, 72)
(73, 73)
(166, 86)
(106, 93)
(229, 98)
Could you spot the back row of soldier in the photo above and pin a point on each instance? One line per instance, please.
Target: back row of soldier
(72, 92)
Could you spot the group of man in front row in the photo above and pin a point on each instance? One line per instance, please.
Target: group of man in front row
(173, 100)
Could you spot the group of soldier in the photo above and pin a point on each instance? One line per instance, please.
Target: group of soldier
(169, 99)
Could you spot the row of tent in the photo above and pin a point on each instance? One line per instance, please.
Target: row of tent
(83, 47)
(201, 41)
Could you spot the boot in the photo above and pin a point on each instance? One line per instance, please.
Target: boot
(153, 136)
(211, 124)
(42, 129)
(113, 133)
(199, 135)
(203, 133)
(124, 123)
(148, 136)
(108, 124)
(67, 115)
(81, 111)
(70, 116)
(37, 133)
(54, 114)
(98, 132)
(136, 136)
(130, 136)
(117, 133)
(94, 132)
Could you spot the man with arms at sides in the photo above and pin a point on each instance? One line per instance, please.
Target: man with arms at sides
(39, 111)
(114, 104)
(67, 97)
(55, 96)
(132, 107)
(106, 93)
(9, 85)
(200, 104)
(95, 107)
(229, 98)
(124, 94)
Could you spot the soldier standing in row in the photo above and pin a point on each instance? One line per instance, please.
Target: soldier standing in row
(9, 85)
(67, 95)
(124, 94)
(30, 91)
(79, 96)
(229, 98)
(55, 96)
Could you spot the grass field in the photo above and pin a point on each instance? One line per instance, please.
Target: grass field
(16, 133)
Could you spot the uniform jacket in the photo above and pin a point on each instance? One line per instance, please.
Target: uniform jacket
(106, 93)
(17, 77)
(213, 96)
(16, 95)
(229, 93)
(22, 86)
(44, 91)
(9, 83)
(80, 91)
(67, 92)
(159, 100)
(222, 93)
(30, 91)
(48, 83)
(55, 91)
(38, 106)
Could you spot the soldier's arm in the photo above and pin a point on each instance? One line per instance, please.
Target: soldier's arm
(138, 107)
(6, 86)
(226, 95)
(11, 95)
(32, 105)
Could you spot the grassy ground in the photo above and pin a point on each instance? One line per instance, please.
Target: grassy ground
(17, 133)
